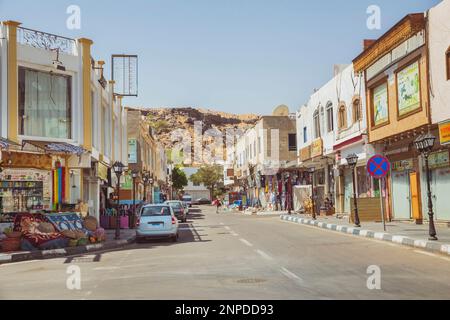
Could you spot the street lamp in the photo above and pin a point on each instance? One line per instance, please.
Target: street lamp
(134, 175)
(352, 160)
(424, 144)
(151, 181)
(311, 171)
(118, 168)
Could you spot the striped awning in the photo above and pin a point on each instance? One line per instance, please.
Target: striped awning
(5, 143)
(58, 148)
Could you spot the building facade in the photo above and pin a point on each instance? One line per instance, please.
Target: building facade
(59, 118)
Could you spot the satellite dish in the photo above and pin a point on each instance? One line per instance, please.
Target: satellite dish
(281, 111)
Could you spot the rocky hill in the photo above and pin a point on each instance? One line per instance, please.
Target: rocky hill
(164, 120)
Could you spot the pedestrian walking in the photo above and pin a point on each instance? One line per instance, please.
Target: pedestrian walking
(218, 204)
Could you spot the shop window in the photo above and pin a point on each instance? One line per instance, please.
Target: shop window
(292, 142)
(44, 104)
(305, 135)
(342, 116)
(356, 109)
(330, 122)
(447, 59)
(316, 119)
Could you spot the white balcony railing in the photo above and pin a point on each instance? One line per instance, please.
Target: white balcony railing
(46, 41)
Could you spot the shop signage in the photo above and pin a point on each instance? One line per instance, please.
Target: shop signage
(126, 182)
(102, 171)
(403, 165)
(132, 151)
(408, 89)
(305, 153)
(444, 133)
(27, 160)
(317, 148)
(439, 159)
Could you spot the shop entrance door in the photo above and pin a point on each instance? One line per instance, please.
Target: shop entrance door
(440, 189)
(401, 199)
(348, 190)
(415, 201)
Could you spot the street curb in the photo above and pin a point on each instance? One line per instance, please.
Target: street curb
(382, 236)
(58, 253)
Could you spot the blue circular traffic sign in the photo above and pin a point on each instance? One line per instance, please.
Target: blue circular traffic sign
(378, 167)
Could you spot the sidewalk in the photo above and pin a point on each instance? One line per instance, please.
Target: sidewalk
(127, 236)
(402, 233)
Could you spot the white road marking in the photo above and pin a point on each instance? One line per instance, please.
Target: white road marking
(184, 229)
(264, 255)
(426, 253)
(291, 275)
(222, 223)
(106, 268)
(246, 242)
(234, 234)
(228, 228)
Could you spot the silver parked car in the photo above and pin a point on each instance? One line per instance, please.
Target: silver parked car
(157, 221)
(178, 209)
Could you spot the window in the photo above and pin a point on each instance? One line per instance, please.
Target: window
(254, 148)
(356, 109)
(45, 104)
(447, 59)
(259, 145)
(107, 131)
(292, 142)
(316, 120)
(330, 122)
(305, 135)
(342, 116)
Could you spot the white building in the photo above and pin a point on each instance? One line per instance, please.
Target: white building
(330, 126)
(195, 190)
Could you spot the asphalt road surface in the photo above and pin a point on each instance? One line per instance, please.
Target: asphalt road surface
(230, 256)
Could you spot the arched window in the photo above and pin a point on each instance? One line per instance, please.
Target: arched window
(356, 109)
(330, 120)
(342, 116)
(316, 119)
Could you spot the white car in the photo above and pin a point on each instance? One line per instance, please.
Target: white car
(157, 221)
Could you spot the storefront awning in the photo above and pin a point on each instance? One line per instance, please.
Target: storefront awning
(58, 148)
(5, 143)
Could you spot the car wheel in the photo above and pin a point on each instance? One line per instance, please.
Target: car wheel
(175, 238)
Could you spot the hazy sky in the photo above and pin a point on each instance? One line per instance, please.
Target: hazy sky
(238, 56)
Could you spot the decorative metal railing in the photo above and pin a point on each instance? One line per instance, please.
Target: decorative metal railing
(46, 41)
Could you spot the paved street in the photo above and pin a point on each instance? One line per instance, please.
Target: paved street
(227, 256)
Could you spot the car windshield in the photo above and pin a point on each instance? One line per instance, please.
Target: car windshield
(155, 211)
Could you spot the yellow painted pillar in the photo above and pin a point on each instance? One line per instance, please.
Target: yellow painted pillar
(87, 103)
(113, 121)
(13, 82)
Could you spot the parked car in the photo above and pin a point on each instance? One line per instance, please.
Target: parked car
(202, 201)
(178, 209)
(157, 221)
(187, 199)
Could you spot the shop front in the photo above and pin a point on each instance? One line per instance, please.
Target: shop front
(26, 184)
(404, 187)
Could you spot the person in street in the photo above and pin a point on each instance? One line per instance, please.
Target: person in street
(218, 204)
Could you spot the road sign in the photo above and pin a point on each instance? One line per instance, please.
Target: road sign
(378, 167)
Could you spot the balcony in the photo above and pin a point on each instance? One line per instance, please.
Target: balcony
(46, 41)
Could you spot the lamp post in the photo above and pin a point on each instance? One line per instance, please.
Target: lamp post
(118, 168)
(352, 160)
(134, 175)
(151, 181)
(424, 144)
(145, 180)
(311, 171)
